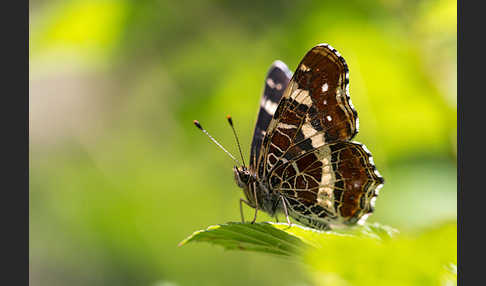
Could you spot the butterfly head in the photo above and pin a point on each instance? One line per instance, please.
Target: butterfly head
(242, 177)
(244, 180)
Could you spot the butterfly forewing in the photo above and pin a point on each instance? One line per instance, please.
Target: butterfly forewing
(315, 109)
(276, 81)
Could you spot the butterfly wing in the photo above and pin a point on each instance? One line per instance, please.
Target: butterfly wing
(335, 183)
(276, 81)
(315, 109)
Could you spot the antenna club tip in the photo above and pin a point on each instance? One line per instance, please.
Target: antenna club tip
(230, 120)
(198, 125)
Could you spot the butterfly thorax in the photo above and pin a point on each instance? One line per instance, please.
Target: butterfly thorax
(256, 193)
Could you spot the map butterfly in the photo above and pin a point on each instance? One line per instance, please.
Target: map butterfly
(302, 160)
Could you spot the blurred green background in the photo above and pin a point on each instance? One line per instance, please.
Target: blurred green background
(118, 173)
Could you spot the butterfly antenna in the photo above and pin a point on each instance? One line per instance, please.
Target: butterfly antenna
(198, 125)
(230, 121)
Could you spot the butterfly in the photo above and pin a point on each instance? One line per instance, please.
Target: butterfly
(302, 160)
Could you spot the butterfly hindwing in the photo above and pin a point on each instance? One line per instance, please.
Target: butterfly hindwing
(335, 183)
(315, 109)
(276, 81)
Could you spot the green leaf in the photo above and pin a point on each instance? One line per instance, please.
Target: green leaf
(262, 237)
(372, 254)
(277, 238)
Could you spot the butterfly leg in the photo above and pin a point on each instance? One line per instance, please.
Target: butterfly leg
(256, 203)
(285, 210)
(241, 209)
